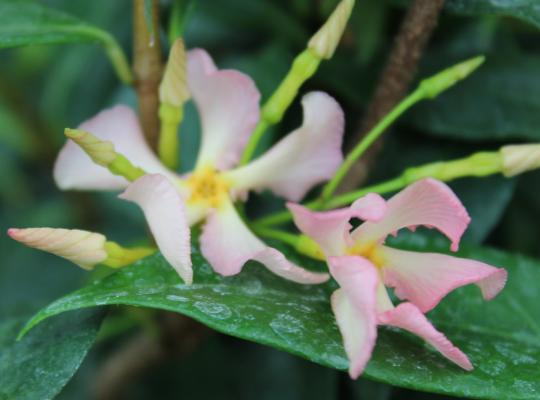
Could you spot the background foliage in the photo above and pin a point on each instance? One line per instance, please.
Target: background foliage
(44, 88)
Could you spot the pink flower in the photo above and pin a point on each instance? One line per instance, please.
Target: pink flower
(228, 104)
(364, 266)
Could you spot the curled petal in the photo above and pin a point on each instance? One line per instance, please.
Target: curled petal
(425, 278)
(228, 104)
(119, 125)
(330, 229)
(407, 316)
(86, 249)
(354, 306)
(309, 155)
(228, 244)
(427, 202)
(164, 211)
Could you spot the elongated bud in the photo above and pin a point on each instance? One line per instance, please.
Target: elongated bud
(520, 158)
(433, 86)
(86, 249)
(174, 89)
(103, 153)
(325, 41)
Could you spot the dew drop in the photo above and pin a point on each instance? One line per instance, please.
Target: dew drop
(214, 310)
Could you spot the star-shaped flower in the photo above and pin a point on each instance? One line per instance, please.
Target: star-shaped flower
(363, 265)
(228, 105)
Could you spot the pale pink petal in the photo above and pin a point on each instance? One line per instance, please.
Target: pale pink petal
(164, 212)
(354, 306)
(228, 104)
(308, 156)
(425, 278)
(330, 229)
(75, 170)
(407, 316)
(427, 202)
(227, 244)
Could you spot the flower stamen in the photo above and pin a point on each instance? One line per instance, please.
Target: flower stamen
(209, 187)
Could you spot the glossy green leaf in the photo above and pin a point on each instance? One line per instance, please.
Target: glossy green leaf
(23, 23)
(39, 365)
(27, 23)
(501, 337)
(525, 10)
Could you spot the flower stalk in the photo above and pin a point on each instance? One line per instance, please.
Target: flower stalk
(508, 160)
(320, 47)
(428, 88)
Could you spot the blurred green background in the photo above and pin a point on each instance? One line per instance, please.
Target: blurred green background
(46, 88)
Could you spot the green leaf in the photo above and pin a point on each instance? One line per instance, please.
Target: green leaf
(525, 10)
(39, 366)
(27, 23)
(501, 337)
(499, 101)
(23, 23)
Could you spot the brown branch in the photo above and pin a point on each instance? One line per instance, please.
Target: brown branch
(147, 68)
(413, 36)
(179, 336)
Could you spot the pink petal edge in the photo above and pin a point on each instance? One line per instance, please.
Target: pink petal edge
(163, 209)
(407, 316)
(227, 244)
(354, 306)
(228, 105)
(427, 202)
(425, 278)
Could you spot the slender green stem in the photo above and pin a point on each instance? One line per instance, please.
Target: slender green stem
(112, 48)
(119, 60)
(478, 165)
(282, 236)
(381, 188)
(254, 140)
(303, 67)
(169, 143)
(368, 140)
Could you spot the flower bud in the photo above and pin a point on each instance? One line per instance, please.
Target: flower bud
(173, 89)
(86, 249)
(438, 83)
(101, 152)
(520, 158)
(325, 41)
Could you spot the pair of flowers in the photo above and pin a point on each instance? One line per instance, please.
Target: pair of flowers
(358, 260)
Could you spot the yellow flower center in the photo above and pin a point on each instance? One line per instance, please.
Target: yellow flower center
(208, 187)
(371, 251)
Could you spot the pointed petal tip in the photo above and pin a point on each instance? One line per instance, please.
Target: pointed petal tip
(13, 233)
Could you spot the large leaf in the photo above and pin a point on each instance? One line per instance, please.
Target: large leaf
(526, 10)
(38, 366)
(501, 337)
(23, 23)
